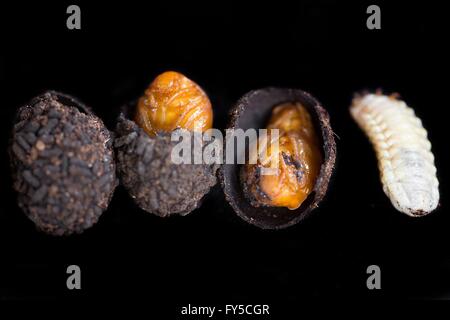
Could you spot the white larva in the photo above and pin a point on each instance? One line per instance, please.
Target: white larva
(405, 161)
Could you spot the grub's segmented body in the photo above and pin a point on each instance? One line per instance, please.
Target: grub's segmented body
(403, 150)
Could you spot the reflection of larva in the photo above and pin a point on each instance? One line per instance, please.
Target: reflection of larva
(403, 150)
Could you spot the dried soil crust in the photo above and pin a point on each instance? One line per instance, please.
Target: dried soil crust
(156, 184)
(63, 164)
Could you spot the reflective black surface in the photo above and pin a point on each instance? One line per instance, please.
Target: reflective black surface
(211, 256)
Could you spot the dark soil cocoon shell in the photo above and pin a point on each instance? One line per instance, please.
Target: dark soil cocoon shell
(146, 170)
(63, 164)
(253, 111)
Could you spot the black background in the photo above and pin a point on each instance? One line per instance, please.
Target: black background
(211, 256)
